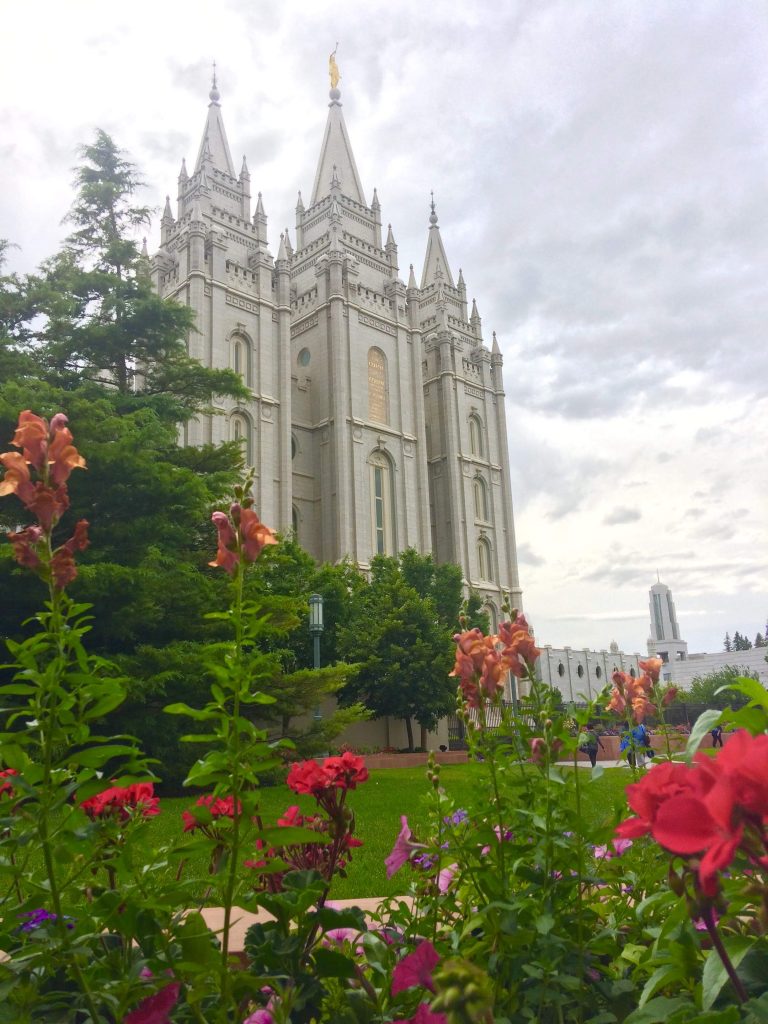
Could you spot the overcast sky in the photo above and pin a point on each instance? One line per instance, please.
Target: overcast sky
(600, 174)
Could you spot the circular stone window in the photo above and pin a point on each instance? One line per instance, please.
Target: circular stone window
(304, 357)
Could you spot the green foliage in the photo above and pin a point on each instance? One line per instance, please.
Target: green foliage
(716, 688)
(400, 635)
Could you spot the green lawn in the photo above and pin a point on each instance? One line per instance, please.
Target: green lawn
(378, 805)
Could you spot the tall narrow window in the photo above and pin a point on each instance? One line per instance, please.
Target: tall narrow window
(493, 616)
(240, 430)
(382, 505)
(241, 357)
(476, 443)
(481, 499)
(295, 522)
(378, 397)
(484, 559)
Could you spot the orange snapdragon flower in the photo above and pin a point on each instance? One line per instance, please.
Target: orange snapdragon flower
(241, 535)
(46, 450)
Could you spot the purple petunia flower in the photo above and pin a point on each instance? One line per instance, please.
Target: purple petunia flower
(37, 918)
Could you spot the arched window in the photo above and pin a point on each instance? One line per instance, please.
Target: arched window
(580, 671)
(476, 442)
(295, 522)
(382, 504)
(241, 357)
(484, 559)
(481, 499)
(240, 430)
(378, 392)
(493, 615)
(598, 671)
(561, 669)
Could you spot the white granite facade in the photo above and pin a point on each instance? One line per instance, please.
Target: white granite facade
(376, 418)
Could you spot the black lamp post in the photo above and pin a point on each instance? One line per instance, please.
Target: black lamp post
(316, 628)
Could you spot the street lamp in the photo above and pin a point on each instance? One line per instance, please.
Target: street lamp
(316, 628)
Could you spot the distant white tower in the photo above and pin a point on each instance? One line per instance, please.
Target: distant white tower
(664, 641)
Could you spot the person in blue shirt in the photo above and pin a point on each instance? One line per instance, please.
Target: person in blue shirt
(636, 743)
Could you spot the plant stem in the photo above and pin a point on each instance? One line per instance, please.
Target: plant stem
(717, 942)
(234, 852)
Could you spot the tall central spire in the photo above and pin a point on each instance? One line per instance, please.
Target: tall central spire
(214, 146)
(336, 158)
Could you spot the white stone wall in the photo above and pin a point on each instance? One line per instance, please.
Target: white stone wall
(580, 674)
(684, 672)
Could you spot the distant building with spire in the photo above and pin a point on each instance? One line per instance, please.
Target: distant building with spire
(376, 416)
(664, 641)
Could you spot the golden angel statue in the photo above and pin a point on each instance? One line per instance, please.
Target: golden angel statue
(333, 69)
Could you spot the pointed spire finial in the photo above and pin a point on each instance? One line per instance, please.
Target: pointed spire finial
(433, 215)
(214, 95)
(335, 183)
(411, 279)
(495, 346)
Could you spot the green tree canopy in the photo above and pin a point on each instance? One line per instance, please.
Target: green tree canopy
(401, 635)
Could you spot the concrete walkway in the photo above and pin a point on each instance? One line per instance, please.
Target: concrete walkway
(243, 919)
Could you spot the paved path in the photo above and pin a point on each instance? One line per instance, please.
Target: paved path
(243, 919)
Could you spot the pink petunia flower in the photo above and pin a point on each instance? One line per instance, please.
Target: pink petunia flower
(402, 850)
(416, 968)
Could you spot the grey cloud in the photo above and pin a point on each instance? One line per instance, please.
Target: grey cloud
(622, 515)
(526, 556)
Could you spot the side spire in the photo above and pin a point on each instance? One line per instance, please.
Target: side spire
(214, 147)
(435, 260)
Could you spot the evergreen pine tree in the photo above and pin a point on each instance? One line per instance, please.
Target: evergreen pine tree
(727, 646)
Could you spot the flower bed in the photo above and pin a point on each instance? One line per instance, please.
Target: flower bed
(521, 908)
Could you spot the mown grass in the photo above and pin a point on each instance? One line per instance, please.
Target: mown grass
(378, 805)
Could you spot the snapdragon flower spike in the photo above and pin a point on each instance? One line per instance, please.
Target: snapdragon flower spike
(482, 662)
(48, 451)
(241, 536)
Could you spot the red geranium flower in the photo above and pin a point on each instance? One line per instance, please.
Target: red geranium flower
(705, 809)
(6, 789)
(345, 771)
(309, 777)
(218, 807)
(121, 801)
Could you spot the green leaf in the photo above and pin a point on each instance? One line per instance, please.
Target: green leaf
(661, 976)
(715, 975)
(706, 721)
(751, 688)
(596, 772)
(657, 1010)
(332, 964)
(94, 757)
(199, 714)
(197, 943)
(544, 924)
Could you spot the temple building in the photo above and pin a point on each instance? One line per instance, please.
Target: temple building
(376, 416)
